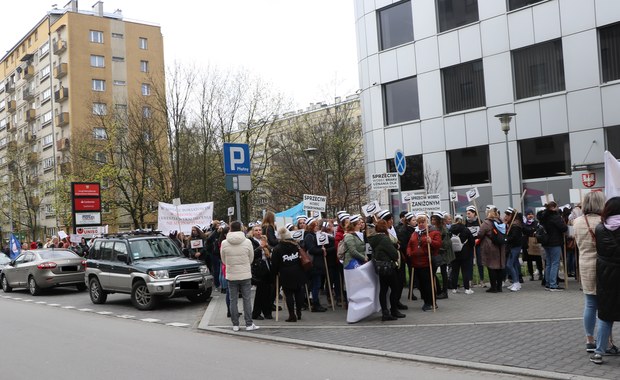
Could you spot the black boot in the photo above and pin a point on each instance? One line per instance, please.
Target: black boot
(442, 295)
(387, 316)
(291, 318)
(298, 314)
(397, 314)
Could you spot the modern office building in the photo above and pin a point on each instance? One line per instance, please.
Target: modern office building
(435, 73)
(72, 65)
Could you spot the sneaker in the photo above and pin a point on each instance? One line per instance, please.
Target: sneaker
(251, 328)
(454, 291)
(469, 291)
(515, 287)
(235, 328)
(613, 350)
(590, 347)
(558, 289)
(596, 359)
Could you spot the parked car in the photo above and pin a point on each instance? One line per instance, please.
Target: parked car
(4, 261)
(148, 266)
(44, 268)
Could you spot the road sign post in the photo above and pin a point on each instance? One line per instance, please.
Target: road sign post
(401, 165)
(237, 165)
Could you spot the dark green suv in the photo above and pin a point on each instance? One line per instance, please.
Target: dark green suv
(147, 265)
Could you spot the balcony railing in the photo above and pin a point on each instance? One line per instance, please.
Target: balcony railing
(61, 70)
(32, 158)
(31, 115)
(9, 87)
(11, 106)
(60, 46)
(65, 168)
(62, 119)
(63, 144)
(29, 72)
(62, 94)
(28, 94)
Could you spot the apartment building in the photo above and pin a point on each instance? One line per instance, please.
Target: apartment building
(72, 65)
(435, 73)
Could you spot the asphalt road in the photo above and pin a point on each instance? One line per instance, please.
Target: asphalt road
(42, 341)
(177, 310)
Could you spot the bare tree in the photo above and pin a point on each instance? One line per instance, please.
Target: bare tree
(432, 180)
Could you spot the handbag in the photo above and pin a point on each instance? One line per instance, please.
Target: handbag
(304, 258)
(384, 268)
(260, 271)
(534, 247)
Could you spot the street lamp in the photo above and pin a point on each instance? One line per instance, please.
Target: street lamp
(504, 119)
(311, 152)
(328, 173)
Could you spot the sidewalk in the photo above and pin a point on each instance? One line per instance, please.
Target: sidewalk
(532, 333)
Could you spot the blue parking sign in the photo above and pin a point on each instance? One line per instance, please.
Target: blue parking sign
(399, 162)
(236, 159)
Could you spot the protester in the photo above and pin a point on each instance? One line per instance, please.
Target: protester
(446, 254)
(355, 250)
(463, 259)
(237, 255)
(554, 225)
(261, 274)
(607, 277)
(514, 240)
(418, 252)
(384, 251)
(286, 263)
(584, 227)
(300, 222)
(404, 234)
(493, 255)
(400, 272)
(333, 264)
(473, 223)
(529, 228)
(268, 226)
(317, 253)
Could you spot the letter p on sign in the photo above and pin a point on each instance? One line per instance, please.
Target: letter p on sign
(236, 159)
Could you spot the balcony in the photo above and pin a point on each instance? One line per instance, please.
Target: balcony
(10, 126)
(62, 119)
(60, 47)
(61, 70)
(28, 94)
(63, 145)
(30, 137)
(31, 115)
(12, 145)
(11, 106)
(32, 157)
(29, 72)
(9, 87)
(61, 95)
(65, 168)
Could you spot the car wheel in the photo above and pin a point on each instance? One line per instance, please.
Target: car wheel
(33, 287)
(200, 297)
(97, 294)
(141, 298)
(81, 287)
(5, 285)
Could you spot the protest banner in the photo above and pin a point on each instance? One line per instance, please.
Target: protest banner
(171, 217)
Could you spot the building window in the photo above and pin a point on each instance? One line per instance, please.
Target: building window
(613, 140)
(96, 36)
(610, 52)
(100, 158)
(46, 95)
(395, 25)
(538, 69)
(120, 83)
(463, 86)
(98, 85)
(144, 66)
(146, 112)
(45, 72)
(469, 166)
(97, 61)
(99, 134)
(401, 101)
(118, 59)
(47, 140)
(45, 48)
(455, 13)
(516, 4)
(2, 124)
(117, 35)
(143, 43)
(48, 163)
(99, 109)
(413, 178)
(46, 118)
(146, 89)
(543, 157)
(3, 101)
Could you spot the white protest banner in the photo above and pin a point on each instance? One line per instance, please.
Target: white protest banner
(472, 194)
(426, 203)
(74, 238)
(370, 208)
(231, 211)
(322, 238)
(406, 196)
(576, 195)
(171, 218)
(384, 181)
(612, 176)
(196, 244)
(298, 235)
(362, 292)
(544, 199)
(454, 196)
(314, 202)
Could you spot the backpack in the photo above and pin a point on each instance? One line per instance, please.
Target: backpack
(342, 250)
(497, 237)
(457, 245)
(541, 235)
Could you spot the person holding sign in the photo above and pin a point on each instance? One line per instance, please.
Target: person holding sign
(355, 252)
(473, 223)
(514, 239)
(492, 251)
(418, 252)
(317, 252)
(553, 223)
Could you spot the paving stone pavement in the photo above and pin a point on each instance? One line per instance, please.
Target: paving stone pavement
(532, 329)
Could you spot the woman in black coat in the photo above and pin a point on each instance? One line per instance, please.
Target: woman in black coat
(463, 261)
(607, 277)
(286, 263)
(317, 252)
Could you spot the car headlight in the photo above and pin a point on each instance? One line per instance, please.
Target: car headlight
(204, 269)
(158, 274)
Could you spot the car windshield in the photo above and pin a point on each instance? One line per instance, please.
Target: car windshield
(153, 248)
(4, 259)
(49, 255)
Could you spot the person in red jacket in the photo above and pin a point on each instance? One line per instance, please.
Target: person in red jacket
(417, 252)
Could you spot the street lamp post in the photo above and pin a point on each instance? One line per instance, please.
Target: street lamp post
(504, 119)
(328, 173)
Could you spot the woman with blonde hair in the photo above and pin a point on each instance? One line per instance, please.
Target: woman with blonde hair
(268, 226)
(493, 255)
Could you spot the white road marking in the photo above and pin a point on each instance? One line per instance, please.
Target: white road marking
(85, 309)
(68, 307)
(177, 324)
(150, 320)
(125, 316)
(105, 312)
(53, 304)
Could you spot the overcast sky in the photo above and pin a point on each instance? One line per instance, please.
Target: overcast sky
(305, 49)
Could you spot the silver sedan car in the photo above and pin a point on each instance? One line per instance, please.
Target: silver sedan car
(44, 268)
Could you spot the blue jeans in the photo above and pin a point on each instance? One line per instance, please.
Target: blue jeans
(245, 286)
(589, 314)
(216, 264)
(316, 281)
(512, 266)
(552, 259)
(602, 335)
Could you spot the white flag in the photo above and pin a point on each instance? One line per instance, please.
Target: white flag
(612, 176)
